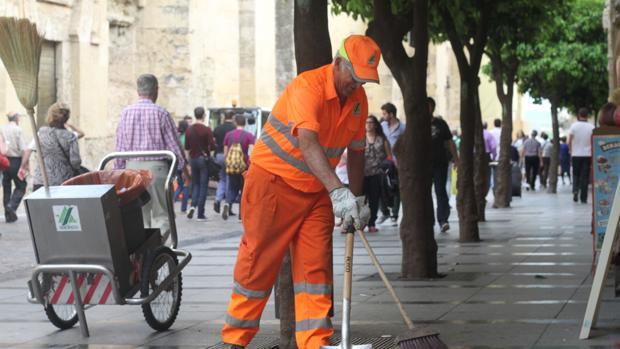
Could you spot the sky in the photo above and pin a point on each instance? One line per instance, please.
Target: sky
(538, 116)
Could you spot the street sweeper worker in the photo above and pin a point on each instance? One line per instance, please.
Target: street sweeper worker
(292, 193)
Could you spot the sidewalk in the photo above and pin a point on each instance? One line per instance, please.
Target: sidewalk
(524, 286)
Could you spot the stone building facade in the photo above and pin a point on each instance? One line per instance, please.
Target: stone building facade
(204, 52)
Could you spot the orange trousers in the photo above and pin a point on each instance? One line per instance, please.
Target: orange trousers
(277, 217)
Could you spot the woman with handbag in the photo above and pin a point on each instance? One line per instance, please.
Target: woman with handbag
(377, 151)
(60, 149)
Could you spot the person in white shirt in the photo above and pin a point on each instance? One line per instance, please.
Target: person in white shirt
(497, 133)
(580, 146)
(15, 146)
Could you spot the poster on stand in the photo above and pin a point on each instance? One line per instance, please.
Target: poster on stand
(606, 169)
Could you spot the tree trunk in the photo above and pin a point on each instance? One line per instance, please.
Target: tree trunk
(285, 296)
(312, 43)
(419, 258)
(503, 185)
(312, 50)
(555, 152)
(481, 164)
(466, 197)
(469, 66)
(416, 230)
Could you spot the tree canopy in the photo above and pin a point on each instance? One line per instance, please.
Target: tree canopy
(567, 62)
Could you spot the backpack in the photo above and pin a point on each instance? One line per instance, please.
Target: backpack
(235, 160)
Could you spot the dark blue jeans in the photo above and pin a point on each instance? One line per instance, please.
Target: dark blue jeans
(440, 176)
(235, 186)
(200, 183)
(181, 188)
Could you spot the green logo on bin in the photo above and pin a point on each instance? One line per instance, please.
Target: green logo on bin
(67, 218)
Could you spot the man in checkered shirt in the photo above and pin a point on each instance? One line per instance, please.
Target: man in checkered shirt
(146, 126)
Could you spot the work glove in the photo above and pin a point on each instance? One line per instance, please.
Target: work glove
(345, 206)
(364, 212)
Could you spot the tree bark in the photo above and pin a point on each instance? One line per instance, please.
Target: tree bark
(503, 184)
(469, 66)
(419, 258)
(481, 164)
(312, 43)
(555, 152)
(286, 304)
(312, 50)
(466, 197)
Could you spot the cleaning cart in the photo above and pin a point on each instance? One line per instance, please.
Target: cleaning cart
(92, 248)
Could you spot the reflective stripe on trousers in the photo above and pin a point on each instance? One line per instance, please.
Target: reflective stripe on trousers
(277, 217)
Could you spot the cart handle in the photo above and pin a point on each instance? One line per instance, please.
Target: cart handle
(168, 187)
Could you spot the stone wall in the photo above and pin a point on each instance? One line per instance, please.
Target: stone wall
(206, 53)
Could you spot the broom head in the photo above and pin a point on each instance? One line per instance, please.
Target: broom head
(420, 338)
(20, 51)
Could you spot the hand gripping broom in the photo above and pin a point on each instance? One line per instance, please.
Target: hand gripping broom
(416, 338)
(20, 51)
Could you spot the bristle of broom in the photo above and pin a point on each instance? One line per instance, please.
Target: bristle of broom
(426, 342)
(20, 51)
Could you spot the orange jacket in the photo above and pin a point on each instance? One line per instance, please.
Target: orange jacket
(310, 102)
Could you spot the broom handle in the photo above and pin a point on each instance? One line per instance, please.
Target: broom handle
(38, 146)
(387, 283)
(346, 290)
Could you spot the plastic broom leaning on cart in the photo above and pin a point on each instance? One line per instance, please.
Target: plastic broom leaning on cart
(20, 51)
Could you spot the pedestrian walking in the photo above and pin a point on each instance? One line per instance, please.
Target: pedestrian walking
(564, 160)
(292, 193)
(546, 148)
(199, 142)
(183, 189)
(145, 126)
(580, 148)
(441, 145)
(59, 145)
(219, 133)
(393, 129)
(5, 165)
(377, 152)
(237, 146)
(15, 146)
(531, 153)
(496, 132)
(490, 146)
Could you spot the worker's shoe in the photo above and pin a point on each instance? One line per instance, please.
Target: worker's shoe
(445, 227)
(216, 207)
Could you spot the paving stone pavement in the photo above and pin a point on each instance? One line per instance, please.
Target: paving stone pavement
(524, 286)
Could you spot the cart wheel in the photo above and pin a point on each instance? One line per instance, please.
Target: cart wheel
(161, 312)
(62, 316)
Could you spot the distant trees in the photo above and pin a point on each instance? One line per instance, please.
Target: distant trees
(566, 64)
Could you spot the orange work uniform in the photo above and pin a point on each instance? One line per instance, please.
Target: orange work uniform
(285, 206)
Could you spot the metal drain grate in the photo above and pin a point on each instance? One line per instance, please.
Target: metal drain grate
(272, 342)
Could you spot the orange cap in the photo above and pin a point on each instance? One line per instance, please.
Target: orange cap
(363, 54)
